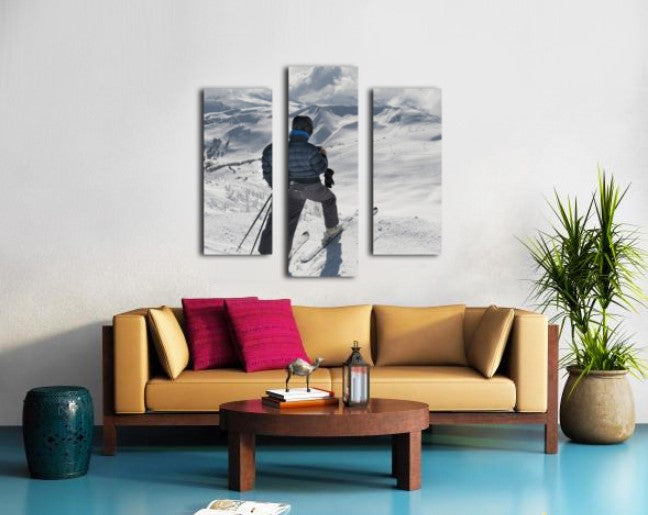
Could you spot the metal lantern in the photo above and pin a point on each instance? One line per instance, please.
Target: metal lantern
(355, 379)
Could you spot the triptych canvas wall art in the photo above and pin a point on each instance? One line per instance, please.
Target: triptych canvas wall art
(237, 126)
(322, 171)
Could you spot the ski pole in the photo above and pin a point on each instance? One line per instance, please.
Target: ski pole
(254, 221)
(261, 228)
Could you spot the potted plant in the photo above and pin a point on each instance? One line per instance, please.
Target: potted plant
(589, 267)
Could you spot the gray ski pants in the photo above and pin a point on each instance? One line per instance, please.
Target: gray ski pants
(265, 244)
(298, 194)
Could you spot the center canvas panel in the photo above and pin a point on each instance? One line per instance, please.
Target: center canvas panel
(237, 171)
(322, 197)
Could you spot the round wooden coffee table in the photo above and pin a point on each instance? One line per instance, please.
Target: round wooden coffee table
(403, 419)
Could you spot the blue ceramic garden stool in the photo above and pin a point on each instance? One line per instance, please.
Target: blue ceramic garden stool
(58, 423)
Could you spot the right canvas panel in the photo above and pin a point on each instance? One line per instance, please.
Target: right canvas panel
(407, 137)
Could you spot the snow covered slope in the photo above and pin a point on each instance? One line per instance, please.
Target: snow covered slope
(237, 125)
(407, 171)
(328, 94)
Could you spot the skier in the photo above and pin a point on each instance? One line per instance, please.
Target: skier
(306, 163)
(265, 244)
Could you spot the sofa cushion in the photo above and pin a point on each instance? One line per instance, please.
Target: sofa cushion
(487, 344)
(528, 351)
(420, 335)
(472, 317)
(169, 340)
(206, 390)
(208, 333)
(330, 332)
(131, 354)
(265, 333)
(442, 388)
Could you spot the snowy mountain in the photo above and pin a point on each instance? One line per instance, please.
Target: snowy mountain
(237, 125)
(329, 96)
(407, 137)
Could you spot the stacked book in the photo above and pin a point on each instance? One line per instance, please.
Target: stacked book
(237, 507)
(299, 398)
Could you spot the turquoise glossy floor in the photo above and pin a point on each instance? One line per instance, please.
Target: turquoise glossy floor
(466, 470)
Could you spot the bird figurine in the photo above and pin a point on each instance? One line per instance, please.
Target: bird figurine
(302, 368)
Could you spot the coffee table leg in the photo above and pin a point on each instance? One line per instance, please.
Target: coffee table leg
(241, 461)
(394, 452)
(406, 460)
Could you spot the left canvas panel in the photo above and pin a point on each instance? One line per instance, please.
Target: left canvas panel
(237, 171)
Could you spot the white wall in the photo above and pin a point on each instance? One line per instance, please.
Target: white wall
(100, 196)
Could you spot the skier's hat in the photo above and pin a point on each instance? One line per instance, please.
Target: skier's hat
(302, 123)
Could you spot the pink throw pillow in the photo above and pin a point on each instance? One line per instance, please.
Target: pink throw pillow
(208, 333)
(266, 334)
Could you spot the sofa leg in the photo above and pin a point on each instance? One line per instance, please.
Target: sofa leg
(551, 437)
(551, 422)
(109, 434)
(109, 437)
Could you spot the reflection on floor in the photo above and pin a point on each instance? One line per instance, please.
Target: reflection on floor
(466, 470)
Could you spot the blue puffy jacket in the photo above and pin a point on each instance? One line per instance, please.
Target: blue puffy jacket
(305, 161)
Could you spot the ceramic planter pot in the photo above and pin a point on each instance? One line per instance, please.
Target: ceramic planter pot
(599, 409)
(58, 423)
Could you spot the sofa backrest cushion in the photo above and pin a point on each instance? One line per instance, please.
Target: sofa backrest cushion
(472, 317)
(169, 340)
(208, 333)
(420, 335)
(486, 345)
(264, 333)
(330, 332)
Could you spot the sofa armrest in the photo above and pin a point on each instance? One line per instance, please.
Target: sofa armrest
(528, 360)
(131, 361)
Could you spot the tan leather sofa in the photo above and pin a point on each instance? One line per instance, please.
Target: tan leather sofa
(523, 390)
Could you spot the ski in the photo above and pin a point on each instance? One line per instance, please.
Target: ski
(301, 241)
(326, 241)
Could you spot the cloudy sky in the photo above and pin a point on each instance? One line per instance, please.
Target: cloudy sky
(214, 98)
(422, 99)
(324, 85)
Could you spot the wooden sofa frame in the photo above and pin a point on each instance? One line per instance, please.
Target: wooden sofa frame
(112, 420)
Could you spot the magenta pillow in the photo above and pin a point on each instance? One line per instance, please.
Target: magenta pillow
(265, 333)
(208, 332)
